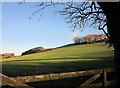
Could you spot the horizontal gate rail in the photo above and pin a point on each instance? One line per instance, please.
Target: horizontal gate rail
(46, 77)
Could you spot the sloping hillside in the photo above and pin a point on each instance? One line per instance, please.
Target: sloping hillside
(72, 58)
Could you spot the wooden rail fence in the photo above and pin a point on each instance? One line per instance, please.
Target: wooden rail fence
(20, 81)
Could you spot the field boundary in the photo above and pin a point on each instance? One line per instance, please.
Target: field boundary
(20, 81)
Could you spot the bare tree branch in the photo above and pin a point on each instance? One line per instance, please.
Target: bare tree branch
(78, 14)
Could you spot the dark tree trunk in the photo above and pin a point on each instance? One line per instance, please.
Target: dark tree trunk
(112, 11)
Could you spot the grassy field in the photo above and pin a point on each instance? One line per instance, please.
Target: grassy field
(71, 58)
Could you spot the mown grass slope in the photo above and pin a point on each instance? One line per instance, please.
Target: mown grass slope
(72, 58)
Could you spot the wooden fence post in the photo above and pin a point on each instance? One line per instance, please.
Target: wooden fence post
(104, 79)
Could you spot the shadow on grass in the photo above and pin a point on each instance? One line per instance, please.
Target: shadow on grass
(46, 68)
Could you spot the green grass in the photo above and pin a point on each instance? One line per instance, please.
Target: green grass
(72, 58)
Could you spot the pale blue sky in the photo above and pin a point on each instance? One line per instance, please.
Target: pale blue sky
(20, 34)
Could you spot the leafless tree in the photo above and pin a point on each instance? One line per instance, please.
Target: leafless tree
(78, 14)
(76, 39)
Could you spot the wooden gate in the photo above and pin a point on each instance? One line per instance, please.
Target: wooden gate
(20, 81)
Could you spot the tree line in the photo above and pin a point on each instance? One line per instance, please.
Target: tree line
(91, 38)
